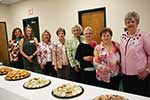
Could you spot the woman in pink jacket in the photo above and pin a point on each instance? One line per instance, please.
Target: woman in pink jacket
(135, 56)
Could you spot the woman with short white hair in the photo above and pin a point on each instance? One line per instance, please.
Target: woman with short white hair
(72, 45)
(84, 55)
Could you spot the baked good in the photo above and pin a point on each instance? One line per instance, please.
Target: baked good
(17, 75)
(67, 90)
(4, 70)
(110, 97)
(36, 83)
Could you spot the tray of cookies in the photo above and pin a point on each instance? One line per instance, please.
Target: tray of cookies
(17, 75)
(4, 70)
(110, 97)
(68, 90)
(36, 83)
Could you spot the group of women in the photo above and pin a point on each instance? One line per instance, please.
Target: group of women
(81, 59)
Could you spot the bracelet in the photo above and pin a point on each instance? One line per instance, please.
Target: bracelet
(33, 55)
(148, 70)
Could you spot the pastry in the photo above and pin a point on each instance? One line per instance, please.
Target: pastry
(36, 83)
(17, 75)
(110, 97)
(4, 70)
(67, 90)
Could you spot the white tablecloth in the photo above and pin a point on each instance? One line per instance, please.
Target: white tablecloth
(13, 90)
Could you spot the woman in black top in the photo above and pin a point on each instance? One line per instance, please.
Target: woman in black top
(28, 46)
(84, 55)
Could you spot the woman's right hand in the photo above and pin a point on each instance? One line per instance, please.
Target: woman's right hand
(42, 66)
(29, 58)
(76, 68)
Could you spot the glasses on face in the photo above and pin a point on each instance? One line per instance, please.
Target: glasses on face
(88, 33)
(131, 21)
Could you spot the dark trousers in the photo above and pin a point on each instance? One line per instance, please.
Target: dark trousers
(49, 69)
(75, 76)
(148, 86)
(132, 84)
(32, 66)
(17, 64)
(88, 77)
(114, 83)
(64, 72)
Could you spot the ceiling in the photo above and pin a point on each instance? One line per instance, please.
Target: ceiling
(9, 2)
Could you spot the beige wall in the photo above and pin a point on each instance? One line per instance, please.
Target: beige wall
(55, 13)
(5, 17)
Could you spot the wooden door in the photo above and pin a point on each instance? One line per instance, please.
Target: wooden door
(4, 55)
(94, 18)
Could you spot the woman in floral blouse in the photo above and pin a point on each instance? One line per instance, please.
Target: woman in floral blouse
(14, 45)
(45, 54)
(107, 61)
(62, 62)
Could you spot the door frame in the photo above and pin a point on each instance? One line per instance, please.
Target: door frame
(92, 10)
(36, 17)
(6, 41)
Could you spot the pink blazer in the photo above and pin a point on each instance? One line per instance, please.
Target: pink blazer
(135, 52)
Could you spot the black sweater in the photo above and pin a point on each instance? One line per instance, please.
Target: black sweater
(82, 51)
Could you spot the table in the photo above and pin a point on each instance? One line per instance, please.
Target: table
(13, 90)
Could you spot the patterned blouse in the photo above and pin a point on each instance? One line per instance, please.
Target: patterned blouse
(13, 50)
(107, 59)
(45, 53)
(61, 55)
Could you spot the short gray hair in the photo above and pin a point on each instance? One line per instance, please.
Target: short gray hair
(131, 15)
(77, 26)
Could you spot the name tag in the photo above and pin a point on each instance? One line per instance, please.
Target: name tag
(31, 41)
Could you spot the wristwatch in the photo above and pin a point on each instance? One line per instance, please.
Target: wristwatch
(148, 70)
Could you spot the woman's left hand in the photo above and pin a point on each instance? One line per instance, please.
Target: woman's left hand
(107, 69)
(31, 58)
(88, 58)
(142, 75)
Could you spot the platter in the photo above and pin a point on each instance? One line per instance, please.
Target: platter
(68, 90)
(110, 97)
(4, 70)
(17, 75)
(36, 83)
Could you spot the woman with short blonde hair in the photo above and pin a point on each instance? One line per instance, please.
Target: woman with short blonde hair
(46, 54)
(84, 54)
